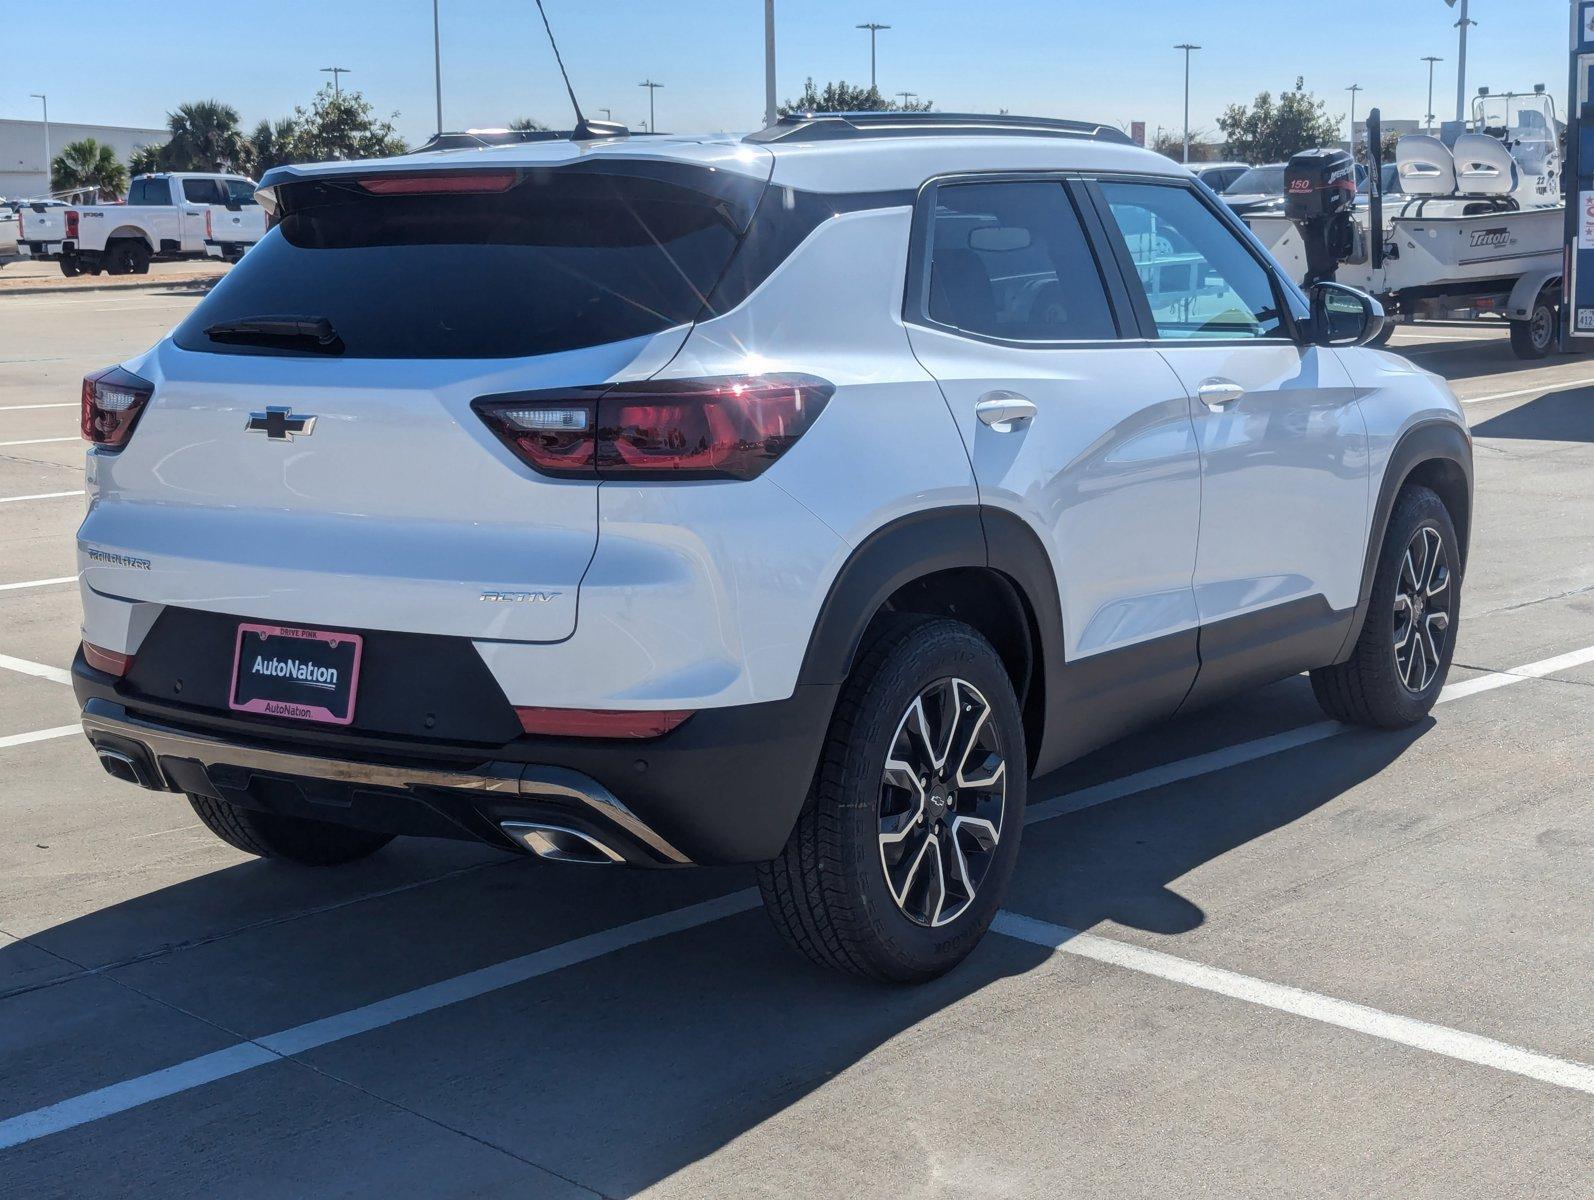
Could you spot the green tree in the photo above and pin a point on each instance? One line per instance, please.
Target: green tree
(1270, 131)
(88, 164)
(527, 125)
(340, 127)
(146, 160)
(271, 145)
(205, 137)
(1387, 145)
(1170, 142)
(842, 96)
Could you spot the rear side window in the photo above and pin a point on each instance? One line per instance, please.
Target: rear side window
(202, 191)
(553, 259)
(1010, 260)
(240, 191)
(150, 191)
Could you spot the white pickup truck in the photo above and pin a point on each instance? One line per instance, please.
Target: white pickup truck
(166, 217)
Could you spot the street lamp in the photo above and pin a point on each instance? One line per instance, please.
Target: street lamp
(1461, 62)
(873, 27)
(905, 97)
(653, 125)
(1353, 89)
(1187, 47)
(437, 64)
(45, 101)
(337, 73)
(1430, 59)
(771, 105)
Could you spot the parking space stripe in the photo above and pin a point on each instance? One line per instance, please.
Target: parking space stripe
(40, 441)
(38, 735)
(5, 408)
(1407, 1031)
(1542, 389)
(24, 667)
(40, 496)
(132, 1093)
(245, 1056)
(33, 583)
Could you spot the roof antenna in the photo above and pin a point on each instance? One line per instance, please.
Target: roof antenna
(585, 130)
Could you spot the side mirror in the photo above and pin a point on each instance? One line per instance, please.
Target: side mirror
(1342, 316)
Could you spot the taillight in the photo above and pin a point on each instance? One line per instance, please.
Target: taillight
(731, 427)
(111, 662)
(113, 399)
(210, 232)
(71, 222)
(599, 723)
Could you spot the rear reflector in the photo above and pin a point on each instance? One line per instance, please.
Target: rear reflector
(432, 183)
(105, 660)
(113, 400)
(728, 427)
(598, 723)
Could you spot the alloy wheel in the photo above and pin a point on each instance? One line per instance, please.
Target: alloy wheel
(943, 794)
(1423, 602)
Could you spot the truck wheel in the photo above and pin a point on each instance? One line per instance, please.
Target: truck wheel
(71, 268)
(119, 258)
(267, 835)
(905, 846)
(1399, 663)
(1534, 337)
(140, 258)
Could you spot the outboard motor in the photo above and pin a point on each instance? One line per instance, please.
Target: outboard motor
(1319, 196)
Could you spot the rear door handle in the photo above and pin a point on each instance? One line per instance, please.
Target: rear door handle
(1219, 393)
(1003, 410)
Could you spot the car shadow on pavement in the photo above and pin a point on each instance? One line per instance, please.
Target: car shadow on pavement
(619, 1072)
(1565, 416)
(1457, 360)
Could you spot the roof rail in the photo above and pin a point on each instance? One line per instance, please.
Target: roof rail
(838, 126)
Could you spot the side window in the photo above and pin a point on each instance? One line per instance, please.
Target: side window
(202, 191)
(137, 192)
(1200, 279)
(1010, 260)
(241, 191)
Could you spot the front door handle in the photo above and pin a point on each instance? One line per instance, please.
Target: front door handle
(1003, 410)
(1218, 394)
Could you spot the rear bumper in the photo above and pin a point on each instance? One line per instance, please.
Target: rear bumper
(724, 787)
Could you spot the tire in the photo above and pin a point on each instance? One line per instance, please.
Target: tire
(267, 835)
(1535, 337)
(71, 268)
(829, 893)
(140, 259)
(1382, 684)
(119, 257)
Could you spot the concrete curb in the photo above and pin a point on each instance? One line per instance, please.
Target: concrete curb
(71, 289)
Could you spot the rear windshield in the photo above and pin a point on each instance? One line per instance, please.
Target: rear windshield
(1259, 181)
(565, 258)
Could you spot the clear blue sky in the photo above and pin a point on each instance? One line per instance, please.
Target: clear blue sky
(119, 62)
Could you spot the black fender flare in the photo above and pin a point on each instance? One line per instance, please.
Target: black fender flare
(1437, 440)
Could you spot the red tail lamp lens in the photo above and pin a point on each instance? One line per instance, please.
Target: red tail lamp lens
(109, 661)
(71, 222)
(730, 427)
(598, 723)
(439, 183)
(113, 400)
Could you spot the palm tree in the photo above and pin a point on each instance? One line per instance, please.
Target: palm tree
(88, 164)
(272, 144)
(146, 160)
(205, 136)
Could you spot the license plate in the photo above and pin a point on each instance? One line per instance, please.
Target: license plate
(301, 674)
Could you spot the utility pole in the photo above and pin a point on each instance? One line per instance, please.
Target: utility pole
(653, 124)
(873, 27)
(608, 113)
(905, 97)
(336, 73)
(1353, 89)
(1461, 63)
(771, 105)
(1187, 47)
(437, 64)
(1430, 59)
(45, 101)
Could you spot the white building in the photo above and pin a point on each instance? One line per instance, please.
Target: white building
(23, 170)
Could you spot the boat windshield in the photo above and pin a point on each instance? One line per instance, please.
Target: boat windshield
(1525, 122)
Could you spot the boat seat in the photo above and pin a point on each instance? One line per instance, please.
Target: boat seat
(1426, 166)
(1484, 167)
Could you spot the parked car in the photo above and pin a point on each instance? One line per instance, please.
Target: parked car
(1259, 187)
(578, 498)
(166, 217)
(8, 233)
(1218, 175)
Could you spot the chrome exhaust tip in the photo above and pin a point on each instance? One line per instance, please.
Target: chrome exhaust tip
(559, 844)
(127, 768)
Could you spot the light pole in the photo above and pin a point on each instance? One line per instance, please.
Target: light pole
(1461, 62)
(1187, 47)
(1353, 89)
(874, 27)
(45, 101)
(771, 105)
(437, 63)
(608, 113)
(905, 97)
(1430, 59)
(653, 124)
(336, 73)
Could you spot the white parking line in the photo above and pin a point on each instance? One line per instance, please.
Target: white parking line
(23, 666)
(40, 441)
(41, 496)
(221, 1064)
(1436, 1039)
(1542, 389)
(5, 408)
(38, 735)
(33, 583)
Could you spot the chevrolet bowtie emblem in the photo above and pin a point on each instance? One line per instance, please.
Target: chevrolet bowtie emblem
(280, 424)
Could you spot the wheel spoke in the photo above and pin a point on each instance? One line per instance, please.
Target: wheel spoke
(960, 867)
(935, 895)
(1440, 580)
(1408, 574)
(901, 894)
(982, 832)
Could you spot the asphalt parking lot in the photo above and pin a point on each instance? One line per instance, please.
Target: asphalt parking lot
(1248, 954)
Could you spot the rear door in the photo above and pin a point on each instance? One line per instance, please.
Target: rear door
(196, 197)
(1082, 432)
(1283, 446)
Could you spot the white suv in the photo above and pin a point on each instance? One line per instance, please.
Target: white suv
(790, 499)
